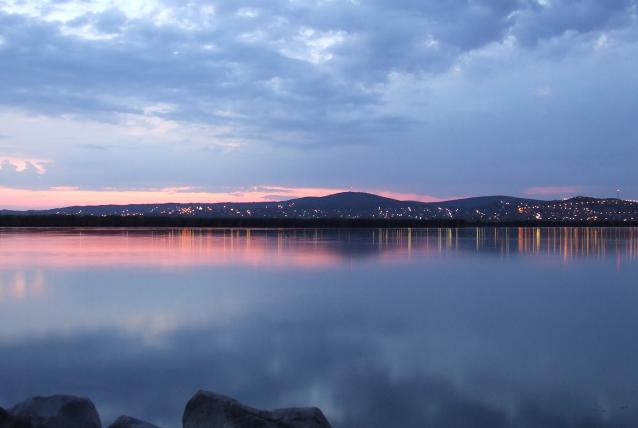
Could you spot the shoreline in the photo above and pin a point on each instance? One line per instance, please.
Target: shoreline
(95, 222)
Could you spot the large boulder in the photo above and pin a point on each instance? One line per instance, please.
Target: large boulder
(58, 411)
(129, 422)
(209, 410)
(7, 420)
(301, 417)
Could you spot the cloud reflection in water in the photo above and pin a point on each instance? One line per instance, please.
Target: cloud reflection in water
(445, 328)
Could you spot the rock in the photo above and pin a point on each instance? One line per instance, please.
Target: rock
(58, 411)
(302, 417)
(129, 422)
(7, 420)
(209, 410)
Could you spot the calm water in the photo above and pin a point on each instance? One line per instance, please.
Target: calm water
(380, 328)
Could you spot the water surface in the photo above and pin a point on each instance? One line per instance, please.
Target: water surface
(526, 327)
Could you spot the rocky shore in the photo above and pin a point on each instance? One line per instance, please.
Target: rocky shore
(203, 410)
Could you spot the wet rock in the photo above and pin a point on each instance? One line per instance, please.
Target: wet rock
(209, 410)
(129, 422)
(58, 411)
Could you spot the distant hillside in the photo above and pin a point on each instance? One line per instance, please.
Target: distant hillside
(357, 205)
(352, 200)
(484, 201)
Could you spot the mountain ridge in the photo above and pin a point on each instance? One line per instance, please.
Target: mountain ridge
(361, 205)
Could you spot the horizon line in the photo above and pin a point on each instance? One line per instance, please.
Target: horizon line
(12, 199)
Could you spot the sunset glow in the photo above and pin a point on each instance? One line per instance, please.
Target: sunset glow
(57, 197)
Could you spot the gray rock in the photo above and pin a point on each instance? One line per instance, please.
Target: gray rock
(129, 422)
(301, 417)
(209, 410)
(58, 411)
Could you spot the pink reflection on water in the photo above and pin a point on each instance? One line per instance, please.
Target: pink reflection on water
(290, 248)
(171, 249)
(22, 285)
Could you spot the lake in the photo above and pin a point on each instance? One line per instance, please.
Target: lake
(518, 327)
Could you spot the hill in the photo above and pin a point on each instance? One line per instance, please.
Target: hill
(358, 205)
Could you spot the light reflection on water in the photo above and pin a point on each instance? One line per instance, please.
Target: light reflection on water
(379, 327)
(299, 247)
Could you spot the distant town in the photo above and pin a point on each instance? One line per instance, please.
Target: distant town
(356, 205)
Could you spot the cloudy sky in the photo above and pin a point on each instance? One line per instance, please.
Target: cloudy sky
(170, 100)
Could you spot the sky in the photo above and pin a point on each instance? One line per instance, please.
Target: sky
(115, 101)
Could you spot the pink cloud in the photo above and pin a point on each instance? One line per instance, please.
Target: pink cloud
(56, 197)
(554, 190)
(67, 196)
(22, 164)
